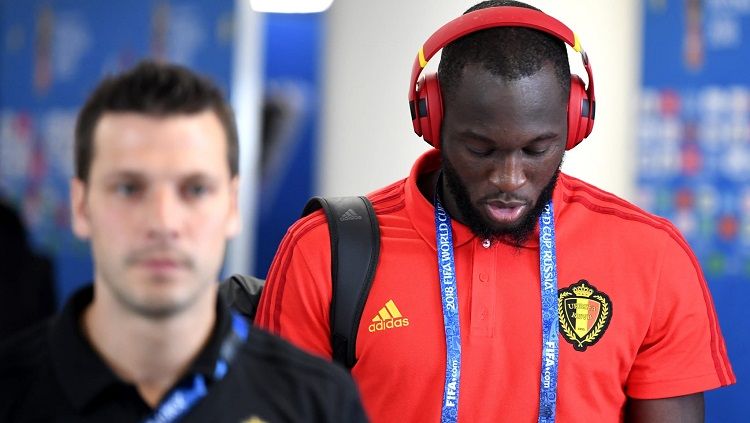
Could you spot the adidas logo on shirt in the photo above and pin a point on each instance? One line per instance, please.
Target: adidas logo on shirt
(350, 215)
(388, 317)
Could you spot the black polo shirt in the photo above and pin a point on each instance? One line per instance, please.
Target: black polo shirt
(52, 373)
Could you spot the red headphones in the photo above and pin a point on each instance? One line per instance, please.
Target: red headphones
(425, 100)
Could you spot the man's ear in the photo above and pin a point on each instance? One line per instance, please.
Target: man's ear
(79, 216)
(234, 221)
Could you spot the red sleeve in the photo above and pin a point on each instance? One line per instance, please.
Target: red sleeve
(683, 351)
(296, 299)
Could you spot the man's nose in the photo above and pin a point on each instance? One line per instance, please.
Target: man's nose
(164, 213)
(508, 174)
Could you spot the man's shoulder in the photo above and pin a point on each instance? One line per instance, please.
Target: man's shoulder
(389, 197)
(25, 363)
(282, 382)
(313, 228)
(275, 356)
(592, 200)
(585, 206)
(25, 350)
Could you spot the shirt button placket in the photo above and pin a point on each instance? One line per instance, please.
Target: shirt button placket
(481, 304)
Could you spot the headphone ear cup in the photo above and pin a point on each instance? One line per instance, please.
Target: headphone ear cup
(580, 113)
(429, 109)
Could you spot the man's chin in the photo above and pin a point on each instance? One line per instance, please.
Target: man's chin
(159, 308)
(516, 231)
(514, 234)
(159, 298)
(504, 226)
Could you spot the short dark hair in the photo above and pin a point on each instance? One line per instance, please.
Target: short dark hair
(508, 52)
(155, 89)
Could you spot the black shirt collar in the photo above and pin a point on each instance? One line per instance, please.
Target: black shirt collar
(82, 372)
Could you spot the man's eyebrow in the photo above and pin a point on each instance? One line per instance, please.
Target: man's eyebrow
(469, 133)
(544, 137)
(199, 176)
(132, 174)
(123, 174)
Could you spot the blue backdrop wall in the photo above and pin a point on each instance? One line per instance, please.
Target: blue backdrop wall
(694, 156)
(291, 117)
(51, 55)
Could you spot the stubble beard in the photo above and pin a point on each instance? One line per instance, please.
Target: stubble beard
(149, 308)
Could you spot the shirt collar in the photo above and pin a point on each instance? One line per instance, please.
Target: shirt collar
(83, 373)
(419, 207)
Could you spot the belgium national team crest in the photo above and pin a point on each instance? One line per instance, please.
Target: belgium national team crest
(584, 314)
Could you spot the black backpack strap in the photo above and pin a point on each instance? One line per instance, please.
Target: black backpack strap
(355, 247)
(242, 293)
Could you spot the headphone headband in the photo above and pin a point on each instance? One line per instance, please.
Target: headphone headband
(493, 17)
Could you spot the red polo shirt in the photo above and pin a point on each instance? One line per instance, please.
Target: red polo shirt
(636, 316)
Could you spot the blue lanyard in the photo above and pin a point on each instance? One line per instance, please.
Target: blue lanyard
(186, 395)
(449, 295)
(550, 322)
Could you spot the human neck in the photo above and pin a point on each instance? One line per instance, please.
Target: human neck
(428, 183)
(151, 353)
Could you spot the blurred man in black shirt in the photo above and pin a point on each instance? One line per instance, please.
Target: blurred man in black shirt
(155, 192)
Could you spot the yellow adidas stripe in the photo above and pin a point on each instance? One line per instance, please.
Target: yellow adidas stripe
(389, 312)
(384, 314)
(391, 306)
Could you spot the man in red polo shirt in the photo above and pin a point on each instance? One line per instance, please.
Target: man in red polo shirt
(505, 289)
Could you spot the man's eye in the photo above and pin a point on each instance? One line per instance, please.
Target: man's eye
(195, 190)
(534, 151)
(127, 189)
(479, 152)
